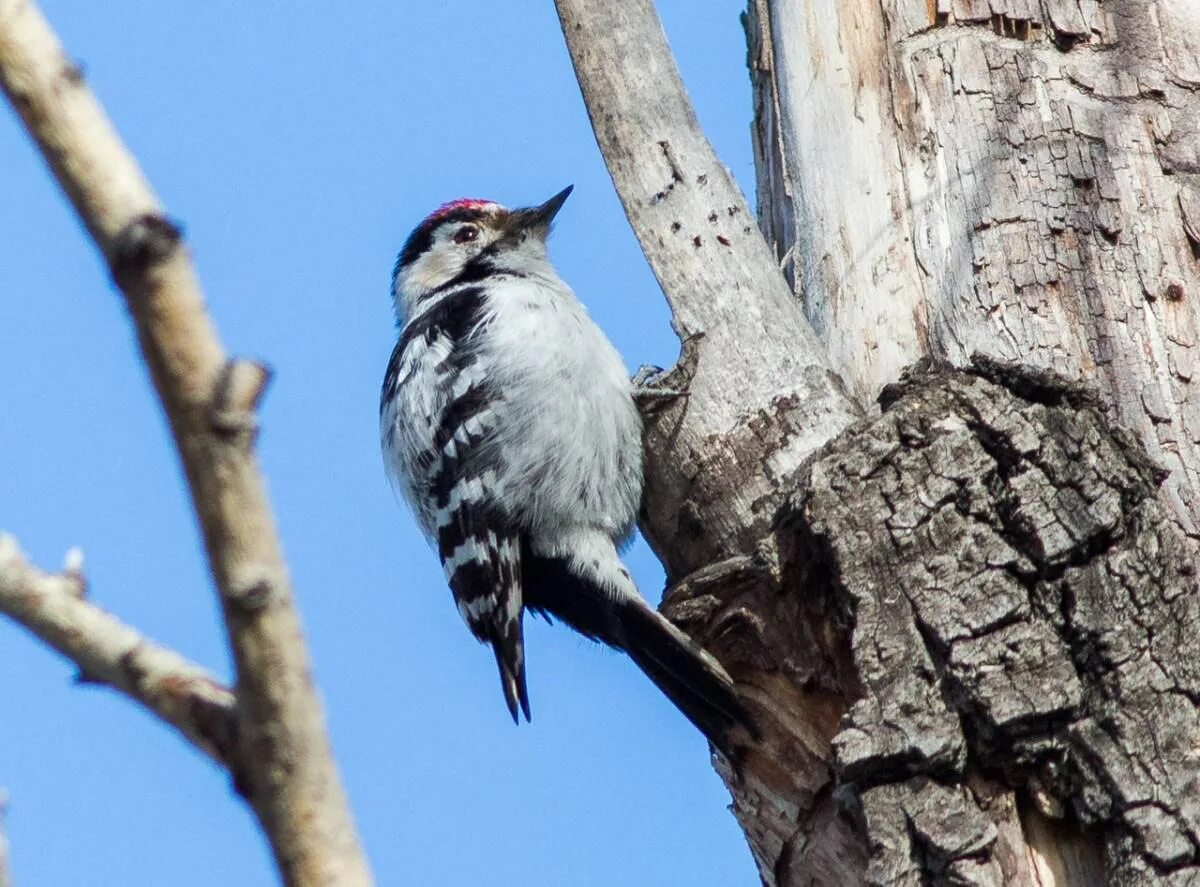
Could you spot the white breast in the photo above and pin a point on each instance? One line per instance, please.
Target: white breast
(569, 431)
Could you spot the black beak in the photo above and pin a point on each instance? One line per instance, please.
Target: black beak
(540, 217)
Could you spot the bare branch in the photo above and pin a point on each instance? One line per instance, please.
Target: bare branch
(5, 880)
(51, 607)
(759, 370)
(694, 225)
(288, 771)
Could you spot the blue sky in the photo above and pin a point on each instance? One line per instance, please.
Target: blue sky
(298, 147)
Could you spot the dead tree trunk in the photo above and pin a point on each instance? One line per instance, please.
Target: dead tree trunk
(966, 623)
(977, 615)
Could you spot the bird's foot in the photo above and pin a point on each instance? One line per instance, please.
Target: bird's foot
(649, 393)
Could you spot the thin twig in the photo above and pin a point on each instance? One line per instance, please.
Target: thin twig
(107, 651)
(287, 769)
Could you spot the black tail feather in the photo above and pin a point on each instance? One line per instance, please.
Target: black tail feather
(510, 660)
(688, 676)
(551, 590)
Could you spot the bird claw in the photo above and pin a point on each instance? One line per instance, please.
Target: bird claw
(648, 392)
(646, 374)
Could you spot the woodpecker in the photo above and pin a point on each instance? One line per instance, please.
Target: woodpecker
(508, 423)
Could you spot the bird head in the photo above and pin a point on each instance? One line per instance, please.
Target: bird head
(468, 240)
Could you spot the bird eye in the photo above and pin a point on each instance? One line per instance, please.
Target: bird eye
(466, 234)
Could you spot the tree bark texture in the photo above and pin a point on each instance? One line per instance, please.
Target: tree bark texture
(971, 646)
(970, 636)
(1015, 177)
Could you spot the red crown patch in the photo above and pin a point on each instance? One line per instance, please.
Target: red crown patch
(462, 203)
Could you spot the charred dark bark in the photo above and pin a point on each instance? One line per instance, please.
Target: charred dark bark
(971, 646)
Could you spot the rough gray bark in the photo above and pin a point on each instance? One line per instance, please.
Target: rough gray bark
(979, 604)
(1015, 698)
(1014, 177)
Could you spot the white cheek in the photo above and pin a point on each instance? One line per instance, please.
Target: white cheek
(434, 269)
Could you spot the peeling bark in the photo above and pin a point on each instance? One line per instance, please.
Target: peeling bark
(971, 643)
(972, 635)
(1014, 177)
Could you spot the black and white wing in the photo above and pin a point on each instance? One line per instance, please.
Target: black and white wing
(439, 439)
(479, 548)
